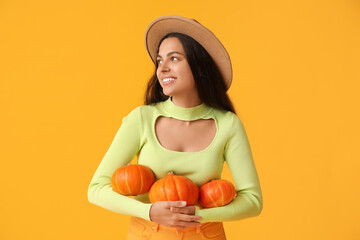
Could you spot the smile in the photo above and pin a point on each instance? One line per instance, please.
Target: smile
(168, 80)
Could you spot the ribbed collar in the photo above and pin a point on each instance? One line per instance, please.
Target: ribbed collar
(185, 114)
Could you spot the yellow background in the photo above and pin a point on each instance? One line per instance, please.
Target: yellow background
(70, 70)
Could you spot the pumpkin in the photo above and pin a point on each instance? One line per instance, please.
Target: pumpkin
(132, 179)
(216, 193)
(174, 188)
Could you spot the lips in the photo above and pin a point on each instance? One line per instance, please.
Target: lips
(168, 80)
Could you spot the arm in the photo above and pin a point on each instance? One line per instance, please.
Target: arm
(248, 201)
(126, 144)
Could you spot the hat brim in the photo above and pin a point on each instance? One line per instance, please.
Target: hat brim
(163, 25)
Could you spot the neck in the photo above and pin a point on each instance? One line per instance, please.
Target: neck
(199, 111)
(186, 102)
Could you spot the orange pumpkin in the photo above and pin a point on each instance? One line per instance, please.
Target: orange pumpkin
(174, 188)
(132, 179)
(216, 193)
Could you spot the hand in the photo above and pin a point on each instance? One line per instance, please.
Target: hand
(174, 214)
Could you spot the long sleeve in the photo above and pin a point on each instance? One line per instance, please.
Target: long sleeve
(248, 201)
(125, 145)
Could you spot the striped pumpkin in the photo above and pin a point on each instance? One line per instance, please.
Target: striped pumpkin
(174, 188)
(132, 179)
(216, 193)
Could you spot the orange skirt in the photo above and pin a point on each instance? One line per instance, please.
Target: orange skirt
(141, 229)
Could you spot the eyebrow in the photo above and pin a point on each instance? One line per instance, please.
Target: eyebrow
(170, 53)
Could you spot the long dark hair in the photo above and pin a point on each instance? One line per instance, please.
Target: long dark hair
(208, 80)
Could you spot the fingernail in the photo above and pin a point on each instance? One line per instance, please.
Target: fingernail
(183, 203)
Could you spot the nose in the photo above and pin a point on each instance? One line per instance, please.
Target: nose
(163, 67)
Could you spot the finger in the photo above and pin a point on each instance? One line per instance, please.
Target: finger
(189, 218)
(176, 204)
(182, 224)
(185, 210)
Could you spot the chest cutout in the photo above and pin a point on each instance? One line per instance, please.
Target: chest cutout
(185, 136)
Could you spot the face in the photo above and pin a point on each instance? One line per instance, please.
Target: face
(173, 72)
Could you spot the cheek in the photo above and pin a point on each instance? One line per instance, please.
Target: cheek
(157, 73)
(190, 76)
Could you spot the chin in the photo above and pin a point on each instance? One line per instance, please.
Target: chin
(167, 93)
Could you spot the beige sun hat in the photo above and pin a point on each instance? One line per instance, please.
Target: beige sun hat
(163, 25)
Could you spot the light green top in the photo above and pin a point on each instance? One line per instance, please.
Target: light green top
(137, 135)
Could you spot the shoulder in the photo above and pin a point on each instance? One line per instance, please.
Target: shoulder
(227, 117)
(142, 111)
(234, 118)
(230, 123)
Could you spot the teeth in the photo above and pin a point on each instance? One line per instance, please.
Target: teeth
(168, 79)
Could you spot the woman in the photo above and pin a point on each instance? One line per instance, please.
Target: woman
(188, 125)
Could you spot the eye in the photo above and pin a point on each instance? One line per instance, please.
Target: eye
(159, 61)
(174, 58)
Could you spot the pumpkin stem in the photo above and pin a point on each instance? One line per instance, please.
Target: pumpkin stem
(171, 172)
